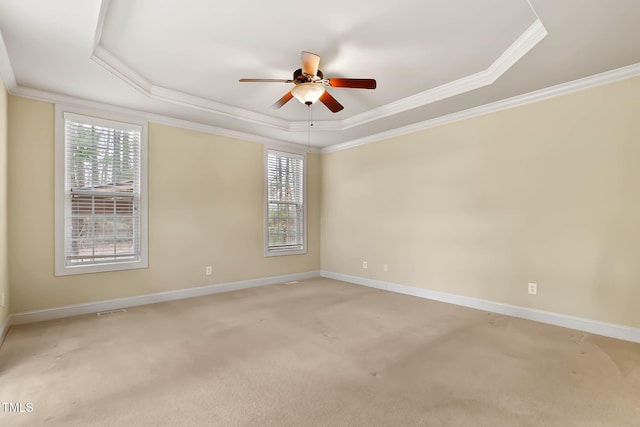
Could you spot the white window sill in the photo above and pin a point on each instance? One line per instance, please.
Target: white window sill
(283, 252)
(100, 268)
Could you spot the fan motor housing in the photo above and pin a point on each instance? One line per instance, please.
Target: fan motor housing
(299, 77)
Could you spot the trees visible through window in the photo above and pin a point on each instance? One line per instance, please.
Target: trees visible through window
(285, 204)
(102, 192)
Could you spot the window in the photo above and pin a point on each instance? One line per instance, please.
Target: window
(285, 222)
(101, 206)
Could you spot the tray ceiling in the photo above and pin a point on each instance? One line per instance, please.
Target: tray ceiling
(431, 58)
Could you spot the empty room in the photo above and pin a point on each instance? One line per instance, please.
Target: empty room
(420, 213)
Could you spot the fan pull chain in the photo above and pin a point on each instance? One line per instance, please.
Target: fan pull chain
(309, 124)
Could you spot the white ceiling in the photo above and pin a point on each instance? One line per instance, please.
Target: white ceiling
(431, 58)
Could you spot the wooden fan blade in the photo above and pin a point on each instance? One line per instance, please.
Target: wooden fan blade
(310, 63)
(280, 102)
(331, 103)
(265, 80)
(353, 83)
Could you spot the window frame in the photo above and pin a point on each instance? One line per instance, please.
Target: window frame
(61, 269)
(283, 252)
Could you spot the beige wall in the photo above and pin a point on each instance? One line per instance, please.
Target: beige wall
(205, 208)
(547, 193)
(4, 271)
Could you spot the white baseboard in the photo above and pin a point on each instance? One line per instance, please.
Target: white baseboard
(592, 326)
(114, 304)
(4, 328)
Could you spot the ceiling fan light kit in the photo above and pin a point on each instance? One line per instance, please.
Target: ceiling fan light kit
(309, 84)
(307, 93)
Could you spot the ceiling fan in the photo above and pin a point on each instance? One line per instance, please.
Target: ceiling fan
(310, 84)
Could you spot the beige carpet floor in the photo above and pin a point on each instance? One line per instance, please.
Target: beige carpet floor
(320, 352)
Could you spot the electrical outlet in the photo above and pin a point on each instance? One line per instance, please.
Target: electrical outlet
(365, 265)
(385, 268)
(532, 288)
(208, 270)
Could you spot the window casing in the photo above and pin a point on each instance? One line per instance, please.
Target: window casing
(285, 203)
(101, 193)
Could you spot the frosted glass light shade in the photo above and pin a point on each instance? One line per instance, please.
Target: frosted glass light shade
(307, 93)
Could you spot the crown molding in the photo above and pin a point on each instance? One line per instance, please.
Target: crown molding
(6, 70)
(55, 98)
(8, 76)
(520, 47)
(210, 106)
(601, 79)
(530, 38)
(515, 52)
(324, 125)
(111, 63)
(120, 69)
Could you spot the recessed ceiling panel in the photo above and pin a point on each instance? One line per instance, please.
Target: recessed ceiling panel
(431, 58)
(200, 48)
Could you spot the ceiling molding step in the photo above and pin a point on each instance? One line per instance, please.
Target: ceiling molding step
(523, 44)
(290, 147)
(115, 66)
(111, 63)
(210, 106)
(601, 79)
(6, 70)
(214, 130)
(324, 125)
(608, 77)
(102, 16)
(56, 98)
(527, 41)
(520, 47)
(44, 96)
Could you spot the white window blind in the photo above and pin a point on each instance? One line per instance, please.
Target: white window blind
(285, 203)
(102, 191)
